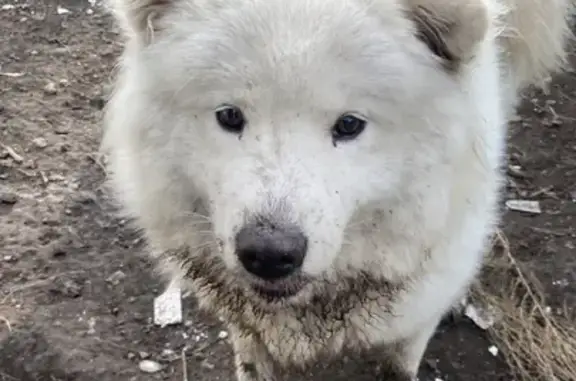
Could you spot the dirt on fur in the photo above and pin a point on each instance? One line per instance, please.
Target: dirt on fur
(76, 290)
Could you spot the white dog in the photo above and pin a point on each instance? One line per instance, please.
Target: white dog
(323, 174)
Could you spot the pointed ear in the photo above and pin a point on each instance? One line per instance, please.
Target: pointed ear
(139, 18)
(452, 29)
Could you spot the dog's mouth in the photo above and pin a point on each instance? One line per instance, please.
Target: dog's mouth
(277, 291)
(271, 294)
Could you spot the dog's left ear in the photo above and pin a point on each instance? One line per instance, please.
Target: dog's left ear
(139, 18)
(451, 29)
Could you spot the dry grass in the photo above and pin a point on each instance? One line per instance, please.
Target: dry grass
(538, 345)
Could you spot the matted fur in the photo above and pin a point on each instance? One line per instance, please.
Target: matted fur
(397, 219)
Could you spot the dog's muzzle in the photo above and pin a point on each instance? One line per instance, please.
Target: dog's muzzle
(272, 254)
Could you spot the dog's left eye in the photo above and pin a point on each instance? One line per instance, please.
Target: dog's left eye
(231, 119)
(347, 127)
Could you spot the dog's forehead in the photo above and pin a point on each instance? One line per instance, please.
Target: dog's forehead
(294, 47)
(305, 32)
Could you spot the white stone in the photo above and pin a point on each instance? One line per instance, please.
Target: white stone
(149, 366)
(168, 307)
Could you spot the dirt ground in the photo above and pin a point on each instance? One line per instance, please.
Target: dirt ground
(76, 293)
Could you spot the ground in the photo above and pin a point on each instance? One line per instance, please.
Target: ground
(76, 290)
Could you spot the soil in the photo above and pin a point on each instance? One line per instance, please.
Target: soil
(76, 290)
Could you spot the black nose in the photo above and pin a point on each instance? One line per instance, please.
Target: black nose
(271, 251)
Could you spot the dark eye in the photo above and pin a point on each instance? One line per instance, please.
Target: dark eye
(231, 119)
(347, 127)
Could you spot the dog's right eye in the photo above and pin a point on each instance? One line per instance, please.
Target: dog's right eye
(231, 119)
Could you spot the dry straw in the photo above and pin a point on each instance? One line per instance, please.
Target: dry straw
(538, 344)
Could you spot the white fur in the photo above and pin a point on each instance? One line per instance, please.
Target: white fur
(411, 201)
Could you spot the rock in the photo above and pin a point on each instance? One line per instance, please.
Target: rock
(207, 365)
(67, 287)
(50, 88)
(484, 318)
(40, 142)
(61, 130)
(8, 198)
(149, 366)
(493, 350)
(116, 278)
(57, 251)
(143, 355)
(62, 11)
(168, 307)
(525, 206)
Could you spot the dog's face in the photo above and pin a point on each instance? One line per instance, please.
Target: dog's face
(295, 123)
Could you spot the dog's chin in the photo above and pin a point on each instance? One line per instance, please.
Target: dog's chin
(279, 292)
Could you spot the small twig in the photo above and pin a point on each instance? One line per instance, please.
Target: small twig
(184, 365)
(17, 158)
(7, 322)
(548, 231)
(7, 377)
(39, 282)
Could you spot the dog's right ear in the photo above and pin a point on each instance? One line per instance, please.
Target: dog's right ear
(451, 29)
(139, 18)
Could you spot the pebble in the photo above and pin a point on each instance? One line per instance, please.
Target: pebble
(57, 250)
(40, 142)
(67, 287)
(50, 88)
(207, 365)
(483, 318)
(526, 206)
(9, 198)
(493, 350)
(116, 278)
(62, 11)
(149, 366)
(62, 131)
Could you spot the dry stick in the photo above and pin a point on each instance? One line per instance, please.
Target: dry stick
(7, 322)
(10, 151)
(184, 365)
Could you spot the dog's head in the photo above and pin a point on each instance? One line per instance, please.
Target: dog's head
(296, 125)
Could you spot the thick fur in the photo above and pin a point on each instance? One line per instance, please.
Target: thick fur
(397, 219)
